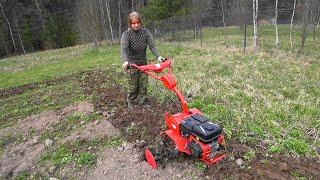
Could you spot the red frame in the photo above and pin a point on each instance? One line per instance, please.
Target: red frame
(167, 79)
(173, 121)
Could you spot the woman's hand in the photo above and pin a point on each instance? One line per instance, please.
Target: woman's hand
(160, 59)
(125, 65)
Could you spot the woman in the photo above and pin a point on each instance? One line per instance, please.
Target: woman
(134, 42)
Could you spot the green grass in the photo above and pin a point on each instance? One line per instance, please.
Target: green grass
(34, 101)
(63, 155)
(266, 95)
(44, 58)
(200, 166)
(91, 59)
(22, 175)
(86, 159)
(5, 140)
(78, 153)
(249, 155)
(113, 142)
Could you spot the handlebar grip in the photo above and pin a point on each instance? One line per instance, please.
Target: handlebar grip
(163, 60)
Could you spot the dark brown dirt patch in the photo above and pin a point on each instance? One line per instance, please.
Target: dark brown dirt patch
(140, 123)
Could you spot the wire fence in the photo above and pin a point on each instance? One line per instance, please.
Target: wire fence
(208, 28)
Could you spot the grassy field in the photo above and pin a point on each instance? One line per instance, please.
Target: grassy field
(269, 96)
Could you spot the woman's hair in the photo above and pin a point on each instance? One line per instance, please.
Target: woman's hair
(132, 15)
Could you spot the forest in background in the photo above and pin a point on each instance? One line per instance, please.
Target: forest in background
(32, 25)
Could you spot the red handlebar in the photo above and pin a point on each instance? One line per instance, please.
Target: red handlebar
(167, 78)
(154, 67)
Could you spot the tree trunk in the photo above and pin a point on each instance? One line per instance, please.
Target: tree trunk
(172, 29)
(119, 18)
(103, 20)
(10, 29)
(110, 23)
(132, 5)
(276, 25)
(291, 23)
(201, 32)
(41, 14)
(255, 24)
(304, 25)
(92, 22)
(223, 20)
(194, 19)
(318, 11)
(24, 51)
(245, 31)
(314, 15)
(314, 32)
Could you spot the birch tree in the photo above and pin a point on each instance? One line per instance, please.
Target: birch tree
(315, 9)
(119, 18)
(318, 12)
(255, 5)
(245, 19)
(109, 18)
(194, 18)
(42, 19)
(132, 4)
(305, 22)
(291, 23)
(22, 46)
(103, 20)
(223, 19)
(276, 25)
(89, 21)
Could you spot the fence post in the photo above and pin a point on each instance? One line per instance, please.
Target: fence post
(201, 30)
(245, 31)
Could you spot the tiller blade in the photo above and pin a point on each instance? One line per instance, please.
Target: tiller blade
(160, 153)
(150, 159)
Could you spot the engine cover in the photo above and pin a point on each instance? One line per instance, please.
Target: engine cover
(201, 127)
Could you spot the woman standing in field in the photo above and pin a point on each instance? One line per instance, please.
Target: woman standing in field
(134, 42)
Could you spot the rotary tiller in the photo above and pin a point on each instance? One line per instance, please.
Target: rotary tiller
(189, 131)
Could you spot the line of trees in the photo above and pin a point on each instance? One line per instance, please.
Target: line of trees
(31, 25)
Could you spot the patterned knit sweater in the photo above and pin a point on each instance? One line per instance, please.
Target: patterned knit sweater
(134, 45)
